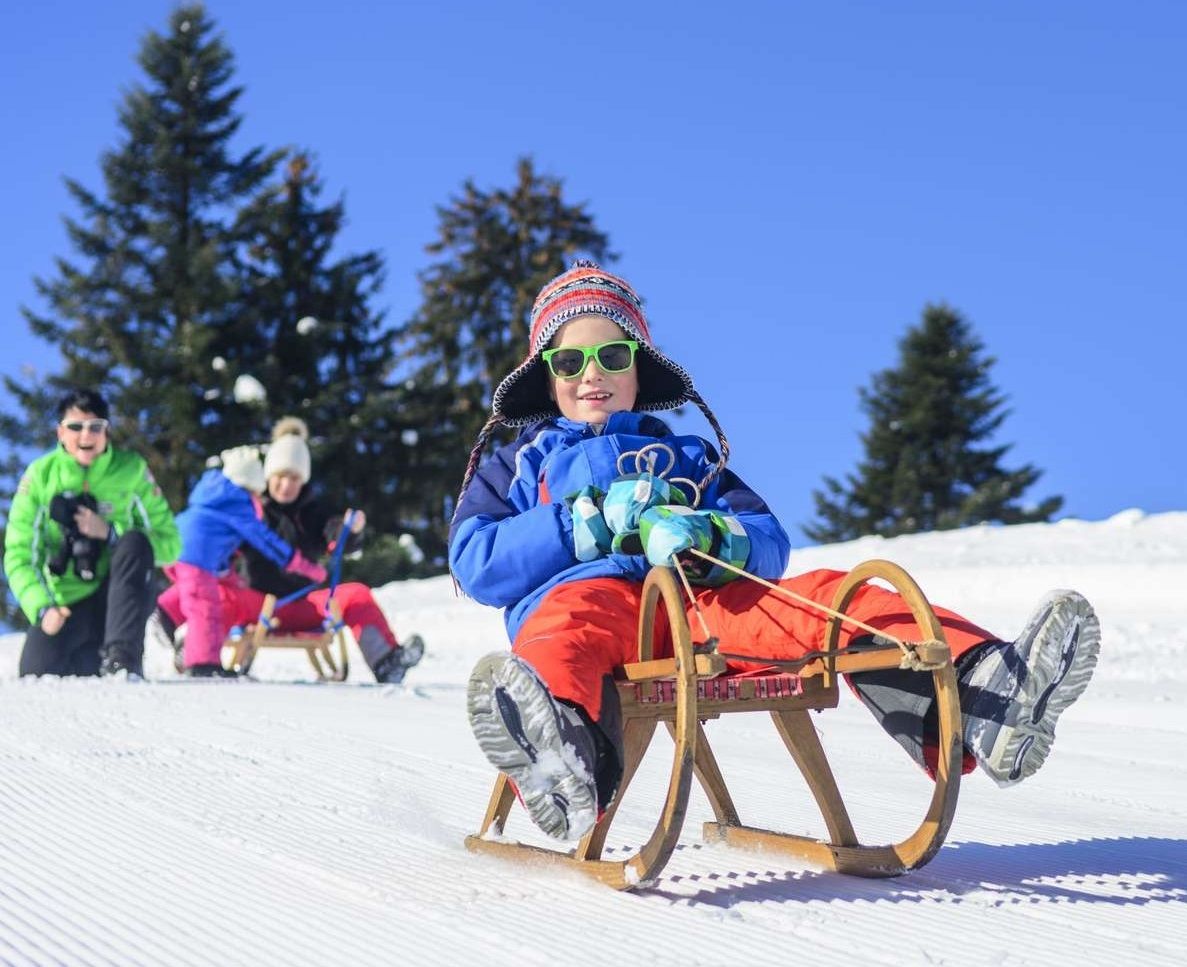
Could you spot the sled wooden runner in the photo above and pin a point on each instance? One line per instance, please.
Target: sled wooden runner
(320, 646)
(690, 688)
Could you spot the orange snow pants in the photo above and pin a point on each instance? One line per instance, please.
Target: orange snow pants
(583, 630)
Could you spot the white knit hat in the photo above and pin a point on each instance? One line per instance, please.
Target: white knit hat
(289, 453)
(241, 466)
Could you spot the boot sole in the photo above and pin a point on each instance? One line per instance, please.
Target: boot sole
(412, 651)
(1057, 675)
(513, 719)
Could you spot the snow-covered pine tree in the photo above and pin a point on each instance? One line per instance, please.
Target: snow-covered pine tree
(495, 251)
(152, 284)
(305, 328)
(927, 463)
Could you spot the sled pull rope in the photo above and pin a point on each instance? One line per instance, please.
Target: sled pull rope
(921, 656)
(692, 599)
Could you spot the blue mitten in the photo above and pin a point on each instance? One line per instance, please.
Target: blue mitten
(591, 536)
(670, 530)
(626, 501)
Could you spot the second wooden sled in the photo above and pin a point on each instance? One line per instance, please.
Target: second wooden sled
(684, 691)
(326, 648)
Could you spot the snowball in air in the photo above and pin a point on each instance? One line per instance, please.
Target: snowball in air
(218, 363)
(408, 543)
(306, 325)
(248, 389)
(409, 438)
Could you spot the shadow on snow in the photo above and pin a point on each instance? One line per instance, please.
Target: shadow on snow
(1123, 871)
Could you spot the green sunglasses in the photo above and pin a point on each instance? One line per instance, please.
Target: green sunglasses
(569, 362)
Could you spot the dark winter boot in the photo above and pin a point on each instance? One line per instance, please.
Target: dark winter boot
(543, 745)
(113, 661)
(210, 671)
(392, 664)
(1014, 693)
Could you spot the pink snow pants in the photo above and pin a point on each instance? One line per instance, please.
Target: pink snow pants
(239, 605)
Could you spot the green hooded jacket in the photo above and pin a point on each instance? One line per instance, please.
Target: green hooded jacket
(128, 499)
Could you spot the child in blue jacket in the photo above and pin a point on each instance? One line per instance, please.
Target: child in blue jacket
(560, 526)
(224, 510)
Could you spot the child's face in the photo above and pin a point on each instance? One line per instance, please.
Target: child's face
(594, 394)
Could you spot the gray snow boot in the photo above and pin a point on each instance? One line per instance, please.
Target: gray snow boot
(1014, 694)
(541, 744)
(391, 668)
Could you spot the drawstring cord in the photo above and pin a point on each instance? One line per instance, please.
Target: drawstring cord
(915, 655)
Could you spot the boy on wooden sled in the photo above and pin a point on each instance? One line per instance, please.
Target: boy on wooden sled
(560, 527)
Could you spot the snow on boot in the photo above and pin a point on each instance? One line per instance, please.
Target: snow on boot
(160, 629)
(541, 744)
(179, 648)
(1014, 694)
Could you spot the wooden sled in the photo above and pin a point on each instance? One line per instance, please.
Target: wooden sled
(320, 646)
(684, 691)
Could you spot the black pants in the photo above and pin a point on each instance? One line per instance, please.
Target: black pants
(904, 704)
(110, 621)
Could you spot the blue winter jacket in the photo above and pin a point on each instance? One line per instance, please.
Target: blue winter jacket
(512, 539)
(221, 515)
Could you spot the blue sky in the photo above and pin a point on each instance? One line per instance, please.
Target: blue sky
(787, 183)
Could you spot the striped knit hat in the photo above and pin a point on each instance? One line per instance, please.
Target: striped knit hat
(586, 289)
(523, 398)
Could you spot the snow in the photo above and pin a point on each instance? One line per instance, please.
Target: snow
(248, 390)
(283, 821)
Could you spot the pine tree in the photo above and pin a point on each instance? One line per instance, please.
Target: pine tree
(152, 287)
(926, 466)
(306, 332)
(496, 250)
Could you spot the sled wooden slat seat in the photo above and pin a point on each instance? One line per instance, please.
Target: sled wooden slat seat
(690, 688)
(715, 695)
(319, 646)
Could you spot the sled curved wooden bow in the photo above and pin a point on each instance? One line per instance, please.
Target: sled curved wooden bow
(684, 691)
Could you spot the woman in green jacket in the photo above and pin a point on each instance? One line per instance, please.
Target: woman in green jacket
(86, 528)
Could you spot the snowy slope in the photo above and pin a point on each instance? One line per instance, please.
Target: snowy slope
(284, 822)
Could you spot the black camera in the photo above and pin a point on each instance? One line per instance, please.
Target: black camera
(77, 547)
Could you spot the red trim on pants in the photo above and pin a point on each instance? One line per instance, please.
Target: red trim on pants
(583, 630)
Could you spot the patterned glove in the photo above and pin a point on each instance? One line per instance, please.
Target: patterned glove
(591, 536)
(626, 501)
(673, 529)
